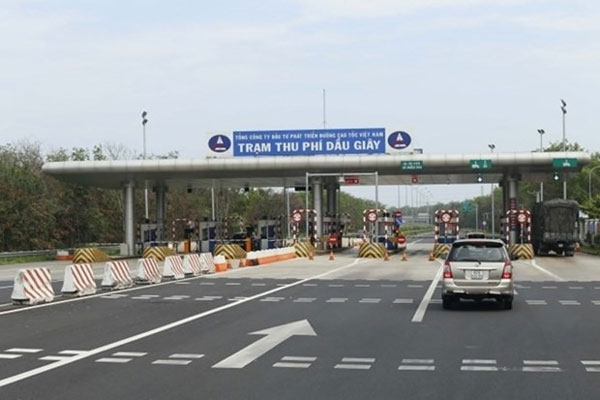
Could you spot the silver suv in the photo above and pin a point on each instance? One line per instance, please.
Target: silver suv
(477, 269)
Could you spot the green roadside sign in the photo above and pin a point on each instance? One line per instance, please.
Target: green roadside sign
(480, 164)
(466, 206)
(564, 162)
(411, 165)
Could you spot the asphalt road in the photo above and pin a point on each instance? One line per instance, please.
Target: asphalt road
(343, 329)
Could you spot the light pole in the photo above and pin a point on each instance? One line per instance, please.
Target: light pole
(144, 122)
(493, 227)
(564, 114)
(590, 181)
(541, 132)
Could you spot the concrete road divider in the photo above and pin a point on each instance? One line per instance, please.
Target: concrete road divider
(208, 263)
(192, 265)
(220, 264)
(230, 251)
(32, 286)
(116, 276)
(521, 251)
(262, 257)
(173, 268)
(441, 250)
(371, 250)
(89, 255)
(148, 271)
(159, 253)
(304, 249)
(79, 280)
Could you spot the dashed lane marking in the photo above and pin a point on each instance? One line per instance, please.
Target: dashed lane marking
(403, 301)
(337, 300)
(294, 362)
(389, 285)
(305, 300)
(335, 285)
(537, 302)
(259, 284)
(9, 356)
(355, 363)
(569, 302)
(187, 355)
(272, 299)
(23, 350)
(171, 362)
(310, 284)
(549, 287)
(370, 301)
(576, 287)
(362, 285)
(233, 284)
(591, 365)
(131, 339)
(176, 297)
(129, 354)
(596, 302)
(113, 360)
(414, 286)
(541, 366)
(479, 365)
(207, 283)
(417, 364)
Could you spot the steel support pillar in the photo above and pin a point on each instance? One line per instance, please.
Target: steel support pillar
(317, 188)
(513, 186)
(160, 212)
(332, 191)
(129, 217)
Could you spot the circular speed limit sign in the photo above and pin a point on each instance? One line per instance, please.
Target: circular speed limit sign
(372, 216)
(446, 217)
(297, 217)
(522, 218)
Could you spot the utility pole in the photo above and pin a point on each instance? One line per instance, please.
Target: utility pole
(493, 225)
(564, 114)
(541, 132)
(144, 122)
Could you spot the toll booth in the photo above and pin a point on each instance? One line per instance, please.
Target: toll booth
(207, 235)
(299, 220)
(336, 224)
(385, 229)
(184, 235)
(267, 230)
(148, 235)
(446, 226)
(518, 221)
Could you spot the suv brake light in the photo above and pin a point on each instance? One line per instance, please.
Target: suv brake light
(447, 270)
(507, 271)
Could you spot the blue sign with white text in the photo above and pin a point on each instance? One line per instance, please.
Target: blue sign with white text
(309, 142)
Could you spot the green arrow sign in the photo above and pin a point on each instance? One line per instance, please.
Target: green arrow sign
(411, 165)
(564, 162)
(480, 164)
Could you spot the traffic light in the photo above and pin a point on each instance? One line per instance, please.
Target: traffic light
(556, 177)
(479, 178)
(415, 179)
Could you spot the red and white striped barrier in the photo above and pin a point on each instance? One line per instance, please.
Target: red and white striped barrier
(116, 276)
(192, 264)
(32, 286)
(79, 280)
(148, 271)
(173, 268)
(208, 262)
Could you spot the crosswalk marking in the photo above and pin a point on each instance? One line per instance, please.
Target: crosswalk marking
(113, 296)
(310, 284)
(295, 358)
(72, 352)
(596, 302)
(237, 298)
(54, 358)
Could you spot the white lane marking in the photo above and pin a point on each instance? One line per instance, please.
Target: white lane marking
(335, 285)
(416, 368)
(208, 298)
(540, 362)
(6, 287)
(72, 352)
(369, 301)
(403, 301)
(337, 300)
(207, 283)
(549, 287)
(389, 285)
(305, 299)
(536, 302)
(55, 358)
(113, 296)
(23, 350)
(176, 297)
(420, 313)
(417, 361)
(576, 287)
(272, 299)
(232, 284)
(362, 285)
(352, 366)
(40, 370)
(479, 361)
(182, 283)
(291, 365)
(259, 284)
(590, 362)
(358, 360)
(541, 369)
(237, 298)
(569, 302)
(310, 284)
(596, 302)
(591, 365)
(478, 368)
(414, 286)
(129, 354)
(435, 301)
(171, 362)
(544, 270)
(9, 356)
(113, 360)
(301, 359)
(189, 355)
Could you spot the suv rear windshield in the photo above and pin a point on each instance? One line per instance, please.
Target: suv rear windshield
(471, 251)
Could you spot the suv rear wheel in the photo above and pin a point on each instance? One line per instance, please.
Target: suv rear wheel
(507, 303)
(448, 302)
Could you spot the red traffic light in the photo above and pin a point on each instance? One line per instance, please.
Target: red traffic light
(415, 179)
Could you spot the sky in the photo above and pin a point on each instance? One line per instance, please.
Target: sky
(457, 74)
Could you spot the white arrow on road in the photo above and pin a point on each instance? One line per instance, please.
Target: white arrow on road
(275, 336)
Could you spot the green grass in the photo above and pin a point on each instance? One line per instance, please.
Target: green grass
(590, 250)
(26, 259)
